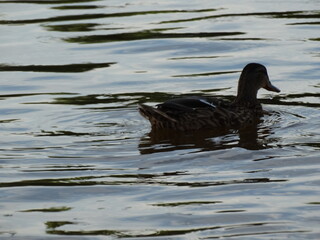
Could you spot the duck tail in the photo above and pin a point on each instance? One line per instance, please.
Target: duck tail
(154, 115)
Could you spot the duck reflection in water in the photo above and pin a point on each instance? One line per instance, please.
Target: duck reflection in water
(202, 119)
(253, 137)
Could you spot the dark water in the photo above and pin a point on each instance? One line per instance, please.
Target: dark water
(78, 162)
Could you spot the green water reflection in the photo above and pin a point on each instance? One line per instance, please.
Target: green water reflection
(47, 1)
(100, 15)
(147, 34)
(66, 68)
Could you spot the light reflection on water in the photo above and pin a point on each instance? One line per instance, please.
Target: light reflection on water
(78, 160)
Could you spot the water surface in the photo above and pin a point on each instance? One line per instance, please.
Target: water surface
(77, 161)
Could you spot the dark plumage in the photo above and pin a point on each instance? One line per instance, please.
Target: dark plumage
(193, 113)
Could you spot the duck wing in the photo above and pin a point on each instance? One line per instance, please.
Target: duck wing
(190, 113)
(190, 104)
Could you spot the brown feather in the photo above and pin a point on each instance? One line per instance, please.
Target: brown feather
(195, 113)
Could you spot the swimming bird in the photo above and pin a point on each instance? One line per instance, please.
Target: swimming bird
(197, 112)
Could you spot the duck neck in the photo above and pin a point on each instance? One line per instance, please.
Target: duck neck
(246, 98)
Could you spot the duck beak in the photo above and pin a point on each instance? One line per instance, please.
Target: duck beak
(271, 87)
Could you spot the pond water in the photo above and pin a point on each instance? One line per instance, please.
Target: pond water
(77, 161)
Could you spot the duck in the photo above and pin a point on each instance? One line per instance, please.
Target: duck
(199, 112)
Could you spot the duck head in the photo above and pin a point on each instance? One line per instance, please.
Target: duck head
(253, 77)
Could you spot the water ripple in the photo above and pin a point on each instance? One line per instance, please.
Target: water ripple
(78, 161)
